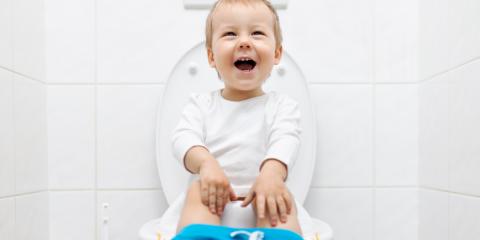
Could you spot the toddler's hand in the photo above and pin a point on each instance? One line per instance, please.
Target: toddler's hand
(271, 195)
(215, 187)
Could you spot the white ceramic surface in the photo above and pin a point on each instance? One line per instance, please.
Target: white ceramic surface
(70, 41)
(7, 163)
(71, 136)
(126, 160)
(29, 38)
(344, 150)
(30, 135)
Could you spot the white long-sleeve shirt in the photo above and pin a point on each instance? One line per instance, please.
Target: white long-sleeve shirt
(240, 134)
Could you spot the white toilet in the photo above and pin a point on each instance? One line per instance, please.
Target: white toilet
(193, 74)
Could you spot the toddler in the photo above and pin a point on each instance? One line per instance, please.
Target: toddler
(239, 140)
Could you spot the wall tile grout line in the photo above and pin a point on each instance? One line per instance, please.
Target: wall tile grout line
(12, 39)
(23, 75)
(448, 216)
(448, 136)
(23, 194)
(450, 192)
(366, 188)
(13, 127)
(95, 119)
(163, 83)
(105, 190)
(373, 92)
(14, 215)
(12, 77)
(363, 83)
(449, 70)
(105, 83)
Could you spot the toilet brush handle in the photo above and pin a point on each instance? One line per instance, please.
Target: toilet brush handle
(105, 229)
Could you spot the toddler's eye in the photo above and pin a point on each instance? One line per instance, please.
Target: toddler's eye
(258, 33)
(229, 34)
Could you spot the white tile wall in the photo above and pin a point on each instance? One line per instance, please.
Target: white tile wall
(464, 30)
(7, 218)
(128, 211)
(396, 213)
(30, 135)
(348, 211)
(339, 39)
(464, 217)
(6, 41)
(72, 215)
(433, 37)
(449, 116)
(126, 135)
(344, 153)
(396, 41)
(31, 217)
(7, 164)
(29, 38)
(433, 133)
(70, 40)
(449, 34)
(396, 134)
(433, 215)
(23, 158)
(464, 129)
(140, 41)
(71, 137)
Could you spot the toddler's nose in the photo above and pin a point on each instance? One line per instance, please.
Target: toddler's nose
(245, 44)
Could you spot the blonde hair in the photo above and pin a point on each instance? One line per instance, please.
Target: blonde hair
(276, 23)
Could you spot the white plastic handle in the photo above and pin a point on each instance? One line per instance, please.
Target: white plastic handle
(257, 235)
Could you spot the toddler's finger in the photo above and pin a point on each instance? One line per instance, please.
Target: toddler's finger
(282, 209)
(232, 194)
(212, 198)
(220, 200)
(288, 201)
(260, 206)
(226, 200)
(248, 199)
(272, 210)
(204, 193)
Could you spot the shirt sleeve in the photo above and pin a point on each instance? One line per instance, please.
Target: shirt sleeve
(283, 139)
(189, 131)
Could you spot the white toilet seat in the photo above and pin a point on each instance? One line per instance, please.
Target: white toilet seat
(193, 74)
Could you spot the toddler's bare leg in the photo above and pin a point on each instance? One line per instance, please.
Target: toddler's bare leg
(292, 223)
(194, 211)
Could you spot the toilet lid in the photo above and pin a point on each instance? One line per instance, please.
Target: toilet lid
(192, 74)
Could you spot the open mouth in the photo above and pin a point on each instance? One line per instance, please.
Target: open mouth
(245, 64)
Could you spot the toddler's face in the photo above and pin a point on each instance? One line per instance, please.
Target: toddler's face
(243, 47)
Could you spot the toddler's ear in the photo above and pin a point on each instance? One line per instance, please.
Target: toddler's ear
(211, 60)
(278, 55)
